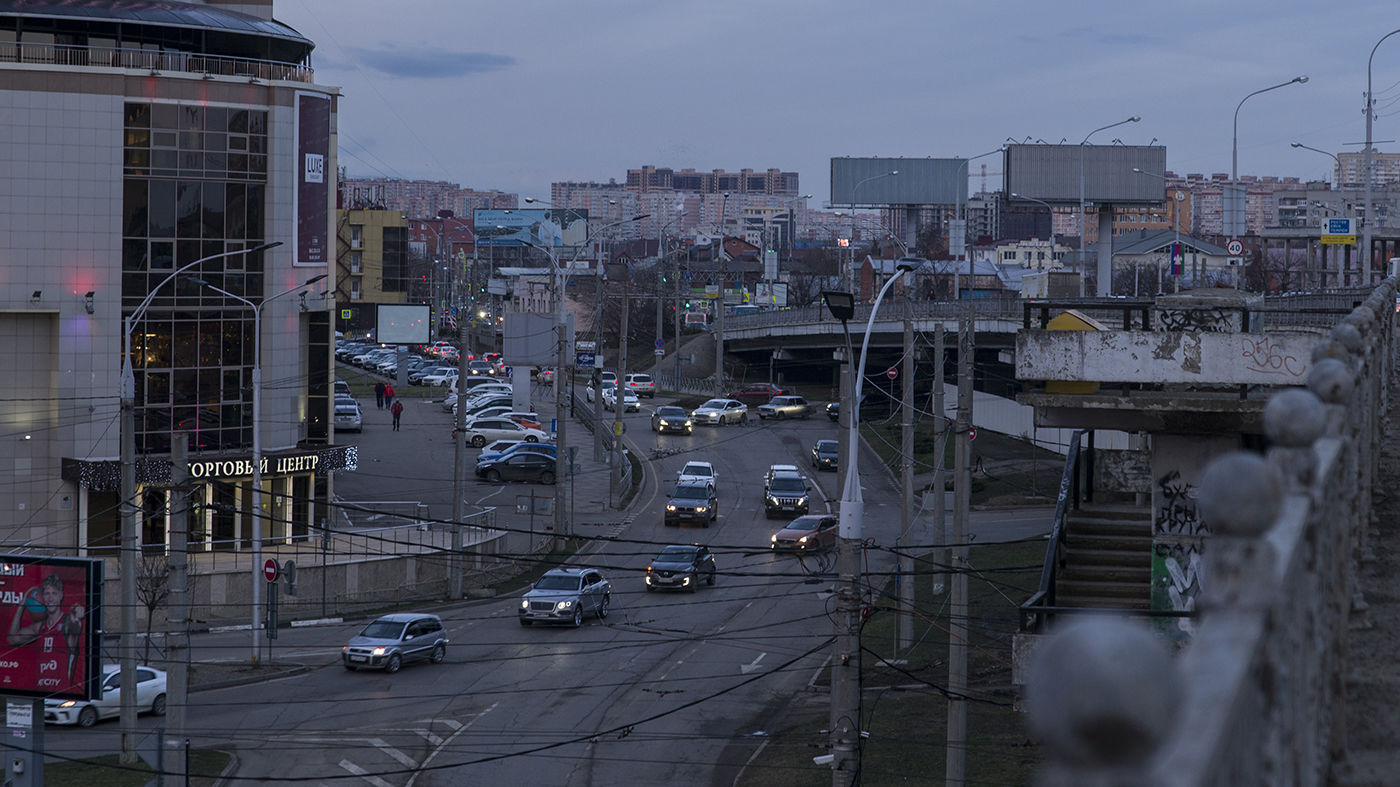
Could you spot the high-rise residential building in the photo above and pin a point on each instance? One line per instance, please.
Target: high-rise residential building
(428, 197)
(746, 181)
(1351, 167)
(149, 147)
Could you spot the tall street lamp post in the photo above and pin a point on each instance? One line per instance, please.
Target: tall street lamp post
(1083, 234)
(257, 518)
(127, 558)
(1366, 175)
(1236, 227)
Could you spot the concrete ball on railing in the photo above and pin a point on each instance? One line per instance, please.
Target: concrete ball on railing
(1348, 334)
(1295, 418)
(1363, 317)
(1334, 349)
(1102, 691)
(1331, 380)
(1239, 494)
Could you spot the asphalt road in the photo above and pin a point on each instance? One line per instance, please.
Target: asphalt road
(670, 688)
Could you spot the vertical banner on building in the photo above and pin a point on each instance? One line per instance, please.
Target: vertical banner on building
(311, 241)
(53, 608)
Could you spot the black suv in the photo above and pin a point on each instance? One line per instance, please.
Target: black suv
(681, 567)
(692, 501)
(787, 495)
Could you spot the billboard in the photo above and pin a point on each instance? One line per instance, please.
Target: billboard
(531, 338)
(402, 324)
(311, 232)
(921, 181)
(547, 227)
(54, 609)
(1051, 173)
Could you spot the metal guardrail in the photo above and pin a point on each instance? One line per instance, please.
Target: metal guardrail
(982, 309)
(146, 60)
(1033, 615)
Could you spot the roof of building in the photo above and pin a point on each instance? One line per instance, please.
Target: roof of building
(160, 13)
(936, 267)
(1152, 241)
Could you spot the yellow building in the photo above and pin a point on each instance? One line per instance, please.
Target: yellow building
(372, 264)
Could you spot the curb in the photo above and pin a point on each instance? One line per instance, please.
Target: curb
(228, 770)
(228, 684)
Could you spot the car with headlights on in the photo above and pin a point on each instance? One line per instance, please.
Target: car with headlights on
(718, 412)
(565, 595)
(809, 533)
(692, 501)
(669, 418)
(826, 454)
(681, 567)
(150, 696)
(395, 640)
(785, 407)
(786, 493)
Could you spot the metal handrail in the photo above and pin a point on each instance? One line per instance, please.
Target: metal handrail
(151, 60)
(1033, 609)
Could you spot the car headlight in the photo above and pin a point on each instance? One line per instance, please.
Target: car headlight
(379, 651)
(773, 500)
(802, 540)
(687, 422)
(68, 703)
(773, 538)
(524, 603)
(670, 507)
(802, 501)
(685, 581)
(564, 605)
(700, 509)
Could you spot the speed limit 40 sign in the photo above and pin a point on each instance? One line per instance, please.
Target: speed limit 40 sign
(1234, 247)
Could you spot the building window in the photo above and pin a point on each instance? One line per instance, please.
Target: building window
(356, 262)
(355, 292)
(357, 240)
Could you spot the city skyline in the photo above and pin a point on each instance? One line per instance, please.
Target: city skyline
(605, 87)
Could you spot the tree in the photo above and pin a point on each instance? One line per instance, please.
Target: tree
(153, 591)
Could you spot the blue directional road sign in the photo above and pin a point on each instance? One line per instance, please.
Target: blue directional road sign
(585, 360)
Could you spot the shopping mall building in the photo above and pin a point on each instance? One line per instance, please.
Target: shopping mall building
(146, 146)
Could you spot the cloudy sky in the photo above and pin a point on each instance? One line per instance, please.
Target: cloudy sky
(516, 95)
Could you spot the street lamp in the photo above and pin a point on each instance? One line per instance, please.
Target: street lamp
(1323, 152)
(1084, 235)
(1370, 104)
(127, 558)
(845, 681)
(257, 439)
(1237, 223)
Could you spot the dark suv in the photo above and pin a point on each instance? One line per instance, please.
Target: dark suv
(565, 595)
(394, 640)
(681, 567)
(787, 495)
(693, 501)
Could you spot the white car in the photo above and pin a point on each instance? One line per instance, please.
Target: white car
(485, 430)
(474, 390)
(698, 471)
(719, 412)
(630, 402)
(348, 418)
(150, 696)
(441, 379)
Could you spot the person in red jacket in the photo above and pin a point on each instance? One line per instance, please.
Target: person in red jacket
(397, 410)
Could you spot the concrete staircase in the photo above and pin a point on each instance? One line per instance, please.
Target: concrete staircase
(1107, 558)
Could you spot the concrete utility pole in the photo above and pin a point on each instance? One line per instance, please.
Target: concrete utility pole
(177, 612)
(940, 437)
(459, 459)
(561, 417)
(598, 348)
(906, 456)
(719, 324)
(619, 405)
(845, 668)
(956, 760)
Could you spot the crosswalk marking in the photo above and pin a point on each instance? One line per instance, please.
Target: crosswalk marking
(364, 774)
(404, 759)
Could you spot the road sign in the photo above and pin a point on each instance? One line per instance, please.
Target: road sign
(1234, 247)
(345, 314)
(972, 433)
(892, 372)
(660, 343)
(270, 570)
(554, 426)
(585, 347)
(584, 360)
(659, 352)
(1338, 227)
(508, 371)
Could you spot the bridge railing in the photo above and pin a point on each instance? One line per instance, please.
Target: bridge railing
(1254, 695)
(983, 309)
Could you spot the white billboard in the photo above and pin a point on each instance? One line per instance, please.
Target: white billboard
(402, 324)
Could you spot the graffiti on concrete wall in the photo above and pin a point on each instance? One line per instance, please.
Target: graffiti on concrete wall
(1176, 579)
(1267, 356)
(1176, 508)
(1202, 320)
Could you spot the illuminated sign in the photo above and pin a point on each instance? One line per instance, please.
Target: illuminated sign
(221, 469)
(54, 605)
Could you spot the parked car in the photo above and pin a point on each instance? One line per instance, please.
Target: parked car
(150, 696)
(518, 466)
(698, 471)
(641, 385)
(756, 393)
(545, 376)
(692, 501)
(785, 407)
(719, 412)
(496, 447)
(826, 454)
(440, 379)
(416, 378)
(669, 418)
(476, 406)
(565, 595)
(348, 418)
(484, 430)
(786, 493)
(681, 567)
(813, 532)
(342, 387)
(395, 640)
(630, 402)
(529, 420)
(520, 447)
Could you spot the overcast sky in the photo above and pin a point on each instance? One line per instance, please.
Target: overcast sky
(516, 95)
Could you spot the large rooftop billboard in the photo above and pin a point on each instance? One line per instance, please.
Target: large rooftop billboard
(867, 182)
(1052, 173)
(547, 227)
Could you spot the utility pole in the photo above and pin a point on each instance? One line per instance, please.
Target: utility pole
(127, 565)
(677, 320)
(940, 437)
(719, 324)
(906, 456)
(593, 374)
(619, 404)
(561, 417)
(956, 760)
(177, 612)
(459, 459)
(845, 668)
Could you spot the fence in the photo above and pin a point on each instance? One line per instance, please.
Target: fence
(152, 60)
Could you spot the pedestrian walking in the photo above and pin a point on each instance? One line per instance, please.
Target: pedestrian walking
(397, 410)
(389, 395)
(379, 394)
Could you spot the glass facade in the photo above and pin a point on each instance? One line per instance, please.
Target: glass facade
(194, 186)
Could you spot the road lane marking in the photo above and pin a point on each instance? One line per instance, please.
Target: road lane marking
(404, 759)
(364, 774)
(460, 729)
(745, 669)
